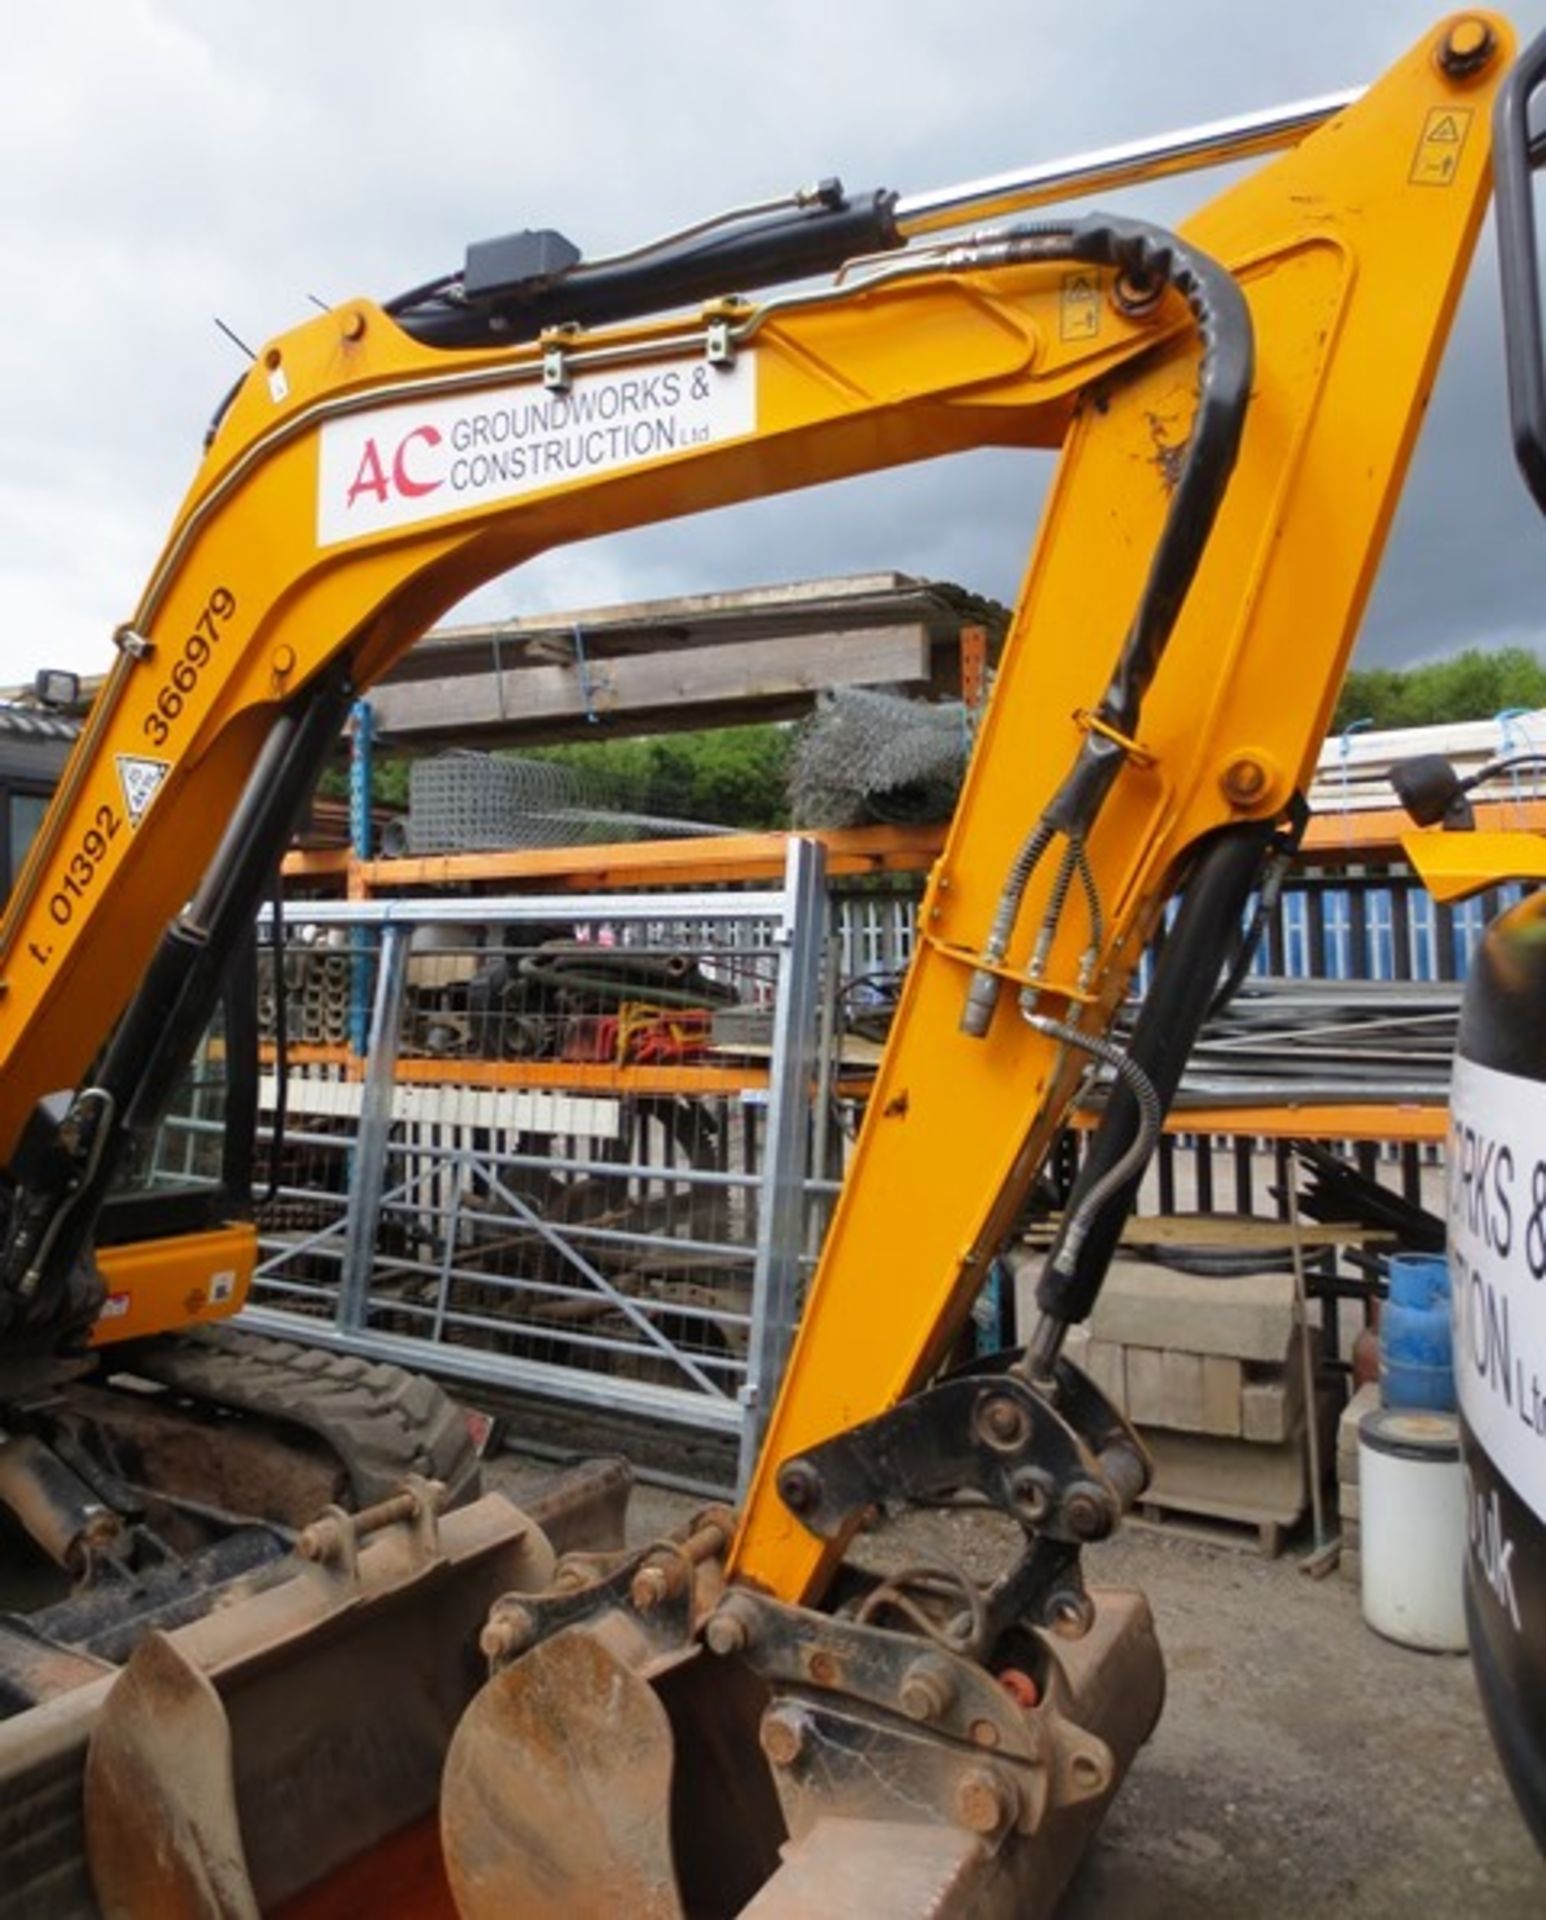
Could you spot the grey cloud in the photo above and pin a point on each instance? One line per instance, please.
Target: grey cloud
(163, 160)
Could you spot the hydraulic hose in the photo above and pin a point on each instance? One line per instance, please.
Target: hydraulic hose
(1185, 976)
(1148, 259)
(486, 304)
(1134, 1157)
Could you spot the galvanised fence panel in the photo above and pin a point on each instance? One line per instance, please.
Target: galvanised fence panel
(570, 1157)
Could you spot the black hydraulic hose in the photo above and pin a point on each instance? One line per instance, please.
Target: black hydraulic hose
(1173, 1009)
(1286, 845)
(762, 250)
(1051, 919)
(1148, 259)
(1134, 1157)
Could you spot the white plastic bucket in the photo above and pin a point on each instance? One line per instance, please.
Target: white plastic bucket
(1411, 1502)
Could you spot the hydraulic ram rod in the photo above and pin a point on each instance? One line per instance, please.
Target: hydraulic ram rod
(518, 287)
(1185, 151)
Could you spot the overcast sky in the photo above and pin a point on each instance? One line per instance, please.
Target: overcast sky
(166, 161)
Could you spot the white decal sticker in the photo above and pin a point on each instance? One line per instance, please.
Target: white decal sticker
(1497, 1239)
(139, 779)
(115, 1306)
(221, 1286)
(421, 459)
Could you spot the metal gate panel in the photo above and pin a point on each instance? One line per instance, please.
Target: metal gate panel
(571, 1156)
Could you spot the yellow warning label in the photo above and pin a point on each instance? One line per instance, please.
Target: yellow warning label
(1437, 159)
(1079, 310)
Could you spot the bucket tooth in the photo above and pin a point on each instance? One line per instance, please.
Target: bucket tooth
(162, 1832)
(555, 1803)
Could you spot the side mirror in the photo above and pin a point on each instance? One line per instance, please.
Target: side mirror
(1431, 791)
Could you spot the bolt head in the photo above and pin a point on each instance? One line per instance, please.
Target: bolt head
(783, 1735)
(726, 1633)
(1245, 780)
(1031, 1493)
(650, 1587)
(823, 1668)
(1002, 1423)
(982, 1801)
(508, 1632)
(927, 1689)
(1468, 47)
(1086, 1512)
(1072, 1616)
(799, 1486)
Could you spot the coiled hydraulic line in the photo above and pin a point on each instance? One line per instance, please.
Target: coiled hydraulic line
(1147, 259)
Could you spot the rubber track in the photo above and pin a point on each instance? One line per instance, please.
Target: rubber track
(381, 1421)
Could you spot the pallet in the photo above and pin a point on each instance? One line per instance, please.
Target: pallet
(1239, 1532)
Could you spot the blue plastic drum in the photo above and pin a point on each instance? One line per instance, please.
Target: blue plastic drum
(1416, 1358)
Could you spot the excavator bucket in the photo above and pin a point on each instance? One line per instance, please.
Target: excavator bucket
(161, 1826)
(606, 1773)
(578, 1827)
(763, 1760)
(442, 1702)
(292, 1736)
(437, 1714)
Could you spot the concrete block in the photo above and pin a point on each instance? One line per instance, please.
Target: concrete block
(1223, 1388)
(1264, 1411)
(1350, 1500)
(1202, 1474)
(1350, 1566)
(1147, 1400)
(1185, 1392)
(1247, 1318)
(1182, 1377)
(1103, 1361)
(1108, 1369)
(1273, 1398)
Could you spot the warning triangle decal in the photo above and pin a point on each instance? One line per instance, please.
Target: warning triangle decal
(140, 779)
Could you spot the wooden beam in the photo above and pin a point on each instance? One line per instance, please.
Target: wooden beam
(1326, 1121)
(316, 863)
(693, 863)
(750, 675)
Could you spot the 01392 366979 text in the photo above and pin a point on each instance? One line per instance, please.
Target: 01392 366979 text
(182, 666)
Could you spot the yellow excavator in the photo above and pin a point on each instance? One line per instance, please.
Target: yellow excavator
(425, 1708)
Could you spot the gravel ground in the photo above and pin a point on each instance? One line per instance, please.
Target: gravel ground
(1302, 1764)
